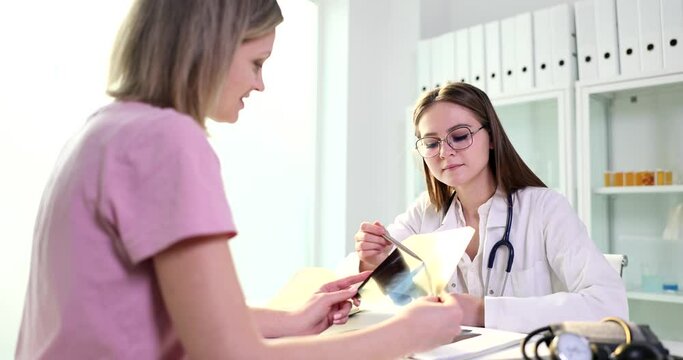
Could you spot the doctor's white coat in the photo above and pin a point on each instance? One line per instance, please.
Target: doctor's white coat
(558, 273)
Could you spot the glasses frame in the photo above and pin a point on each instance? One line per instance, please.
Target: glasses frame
(445, 139)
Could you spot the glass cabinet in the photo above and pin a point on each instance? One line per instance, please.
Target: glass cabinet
(539, 124)
(630, 162)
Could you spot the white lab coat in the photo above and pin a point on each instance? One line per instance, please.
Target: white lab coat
(558, 273)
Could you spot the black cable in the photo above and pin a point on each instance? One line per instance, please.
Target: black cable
(531, 335)
(544, 340)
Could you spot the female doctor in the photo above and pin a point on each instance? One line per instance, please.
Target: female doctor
(472, 173)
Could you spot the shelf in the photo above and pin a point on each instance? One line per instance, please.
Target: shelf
(614, 190)
(676, 298)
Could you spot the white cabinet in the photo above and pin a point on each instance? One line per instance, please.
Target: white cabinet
(625, 125)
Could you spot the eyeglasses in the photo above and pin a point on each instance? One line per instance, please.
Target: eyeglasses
(458, 139)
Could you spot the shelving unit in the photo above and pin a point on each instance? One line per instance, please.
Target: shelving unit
(630, 123)
(660, 297)
(616, 190)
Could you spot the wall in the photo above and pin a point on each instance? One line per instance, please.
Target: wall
(367, 77)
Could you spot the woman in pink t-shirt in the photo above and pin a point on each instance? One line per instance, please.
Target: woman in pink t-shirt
(130, 255)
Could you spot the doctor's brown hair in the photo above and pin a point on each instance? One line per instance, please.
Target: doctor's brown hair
(509, 170)
(176, 53)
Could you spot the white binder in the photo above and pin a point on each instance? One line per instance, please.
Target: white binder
(462, 55)
(672, 34)
(628, 35)
(524, 52)
(424, 56)
(563, 45)
(494, 85)
(608, 51)
(586, 40)
(447, 45)
(477, 58)
(650, 35)
(436, 60)
(508, 55)
(543, 42)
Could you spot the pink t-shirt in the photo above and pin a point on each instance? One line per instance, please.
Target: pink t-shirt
(136, 180)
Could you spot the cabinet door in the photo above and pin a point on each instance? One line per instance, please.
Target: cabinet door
(533, 129)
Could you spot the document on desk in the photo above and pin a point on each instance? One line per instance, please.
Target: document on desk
(474, 342)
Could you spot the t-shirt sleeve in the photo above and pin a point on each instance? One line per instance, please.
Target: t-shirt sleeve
(160, 185)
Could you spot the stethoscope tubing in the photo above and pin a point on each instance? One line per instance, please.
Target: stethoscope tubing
(504, 242)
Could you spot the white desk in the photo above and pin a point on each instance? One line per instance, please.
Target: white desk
(512, 352)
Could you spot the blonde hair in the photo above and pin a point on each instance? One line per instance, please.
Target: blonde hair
(176, 53)
(509, 170)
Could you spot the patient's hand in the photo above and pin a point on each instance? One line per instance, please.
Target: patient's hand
(330, 305)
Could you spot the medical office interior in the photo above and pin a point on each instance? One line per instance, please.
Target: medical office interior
(589, 92)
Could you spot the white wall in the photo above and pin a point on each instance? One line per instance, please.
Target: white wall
(367, 78)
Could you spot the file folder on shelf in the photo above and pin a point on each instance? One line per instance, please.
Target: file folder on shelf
(508, 55)
(586, 43)
(543, 42)
(628, 37)
(524, 51)
(494, 85)
(672, 34)
(436, 58)
(606, 26)
(424, 80)
(462, 55)
(477, 58)
(650, 35)
(563, 45)
(447, 46)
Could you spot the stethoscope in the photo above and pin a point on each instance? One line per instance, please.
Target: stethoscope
(504, 242)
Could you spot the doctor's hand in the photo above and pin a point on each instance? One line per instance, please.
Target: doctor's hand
(330, 305)
(433, 321)
(371, 247)
(473, 309)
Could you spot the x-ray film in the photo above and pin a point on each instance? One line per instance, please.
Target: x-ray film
(402, 277)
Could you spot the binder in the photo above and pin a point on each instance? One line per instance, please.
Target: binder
(650, 35)
(447, 46)
(672, 34)
(508, 55)
(543, 42)
(563, 45)
(606, 25)
(477, 58)
(462, 55)
(436, 63)
(524, 52)
(628, 36)
(424, 78)
(494, 85)
(586, 40)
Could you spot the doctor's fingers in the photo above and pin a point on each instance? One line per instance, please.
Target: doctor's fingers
(373, 246)
(363, 237)
(375, 228)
